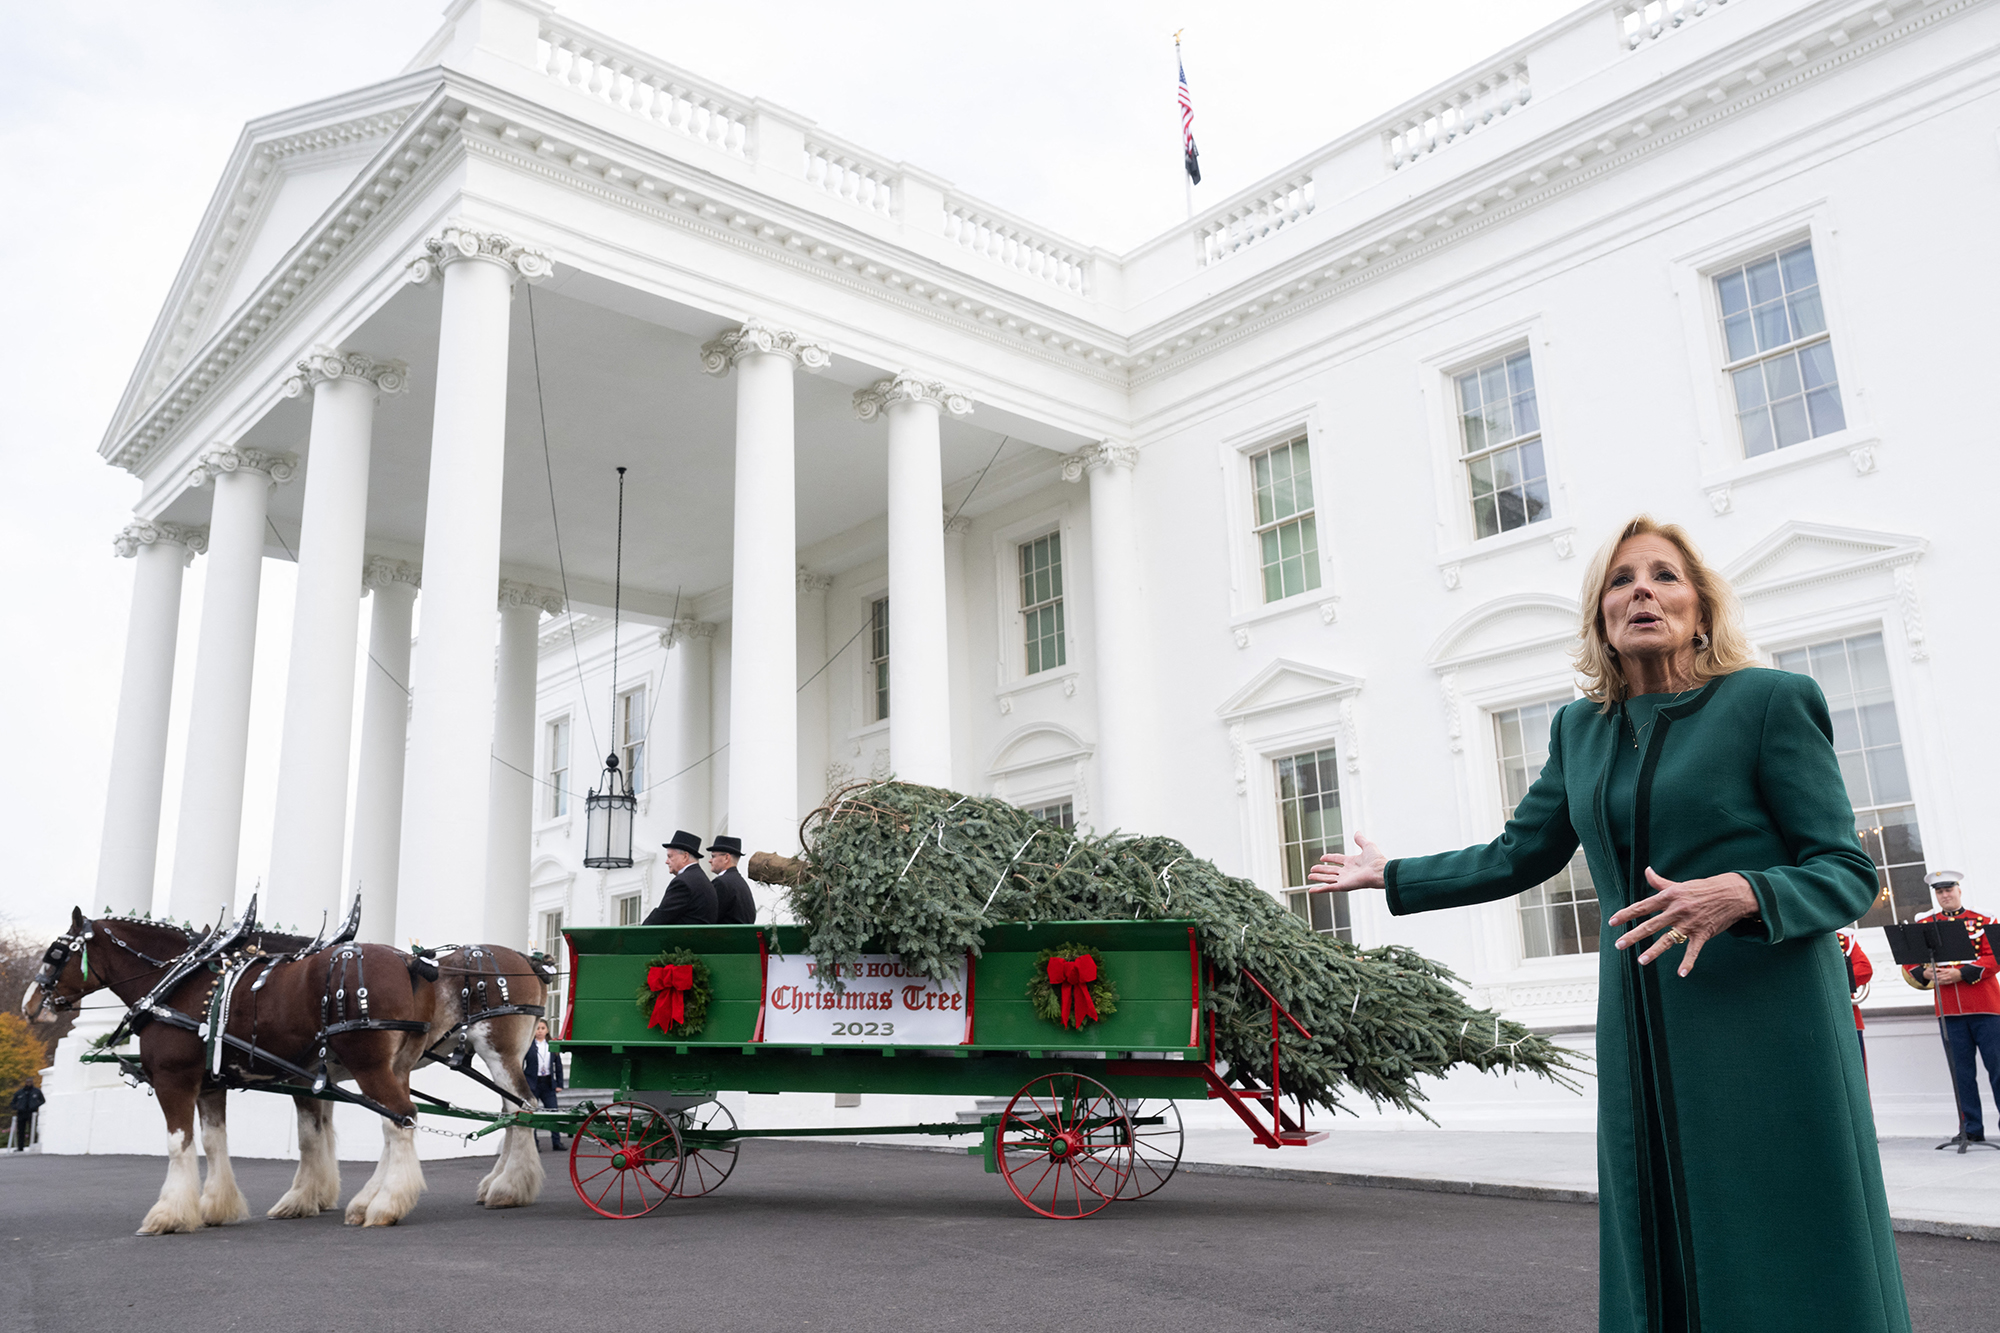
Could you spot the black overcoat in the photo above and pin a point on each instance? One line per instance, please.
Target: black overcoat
(688, 901)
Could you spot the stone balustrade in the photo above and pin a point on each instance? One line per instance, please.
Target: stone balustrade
(849, 175)
(988, 232)
(622, 77)
(1424, 130)
(1643, 21)
(1254, 217)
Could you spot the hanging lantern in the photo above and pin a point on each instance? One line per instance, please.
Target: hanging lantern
(607, 828)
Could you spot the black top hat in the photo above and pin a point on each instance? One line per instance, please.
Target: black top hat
(727, 845)
(684, 842)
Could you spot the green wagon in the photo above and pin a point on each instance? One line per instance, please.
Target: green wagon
(1092, 1062)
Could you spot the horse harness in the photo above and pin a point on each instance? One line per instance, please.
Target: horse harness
(477, 1003)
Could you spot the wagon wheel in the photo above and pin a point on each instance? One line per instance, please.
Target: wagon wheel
(1156, 1145)
(1065, 1146)
(626, 1160)
(708, 1163)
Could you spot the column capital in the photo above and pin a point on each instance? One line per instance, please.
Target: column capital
(685, 629)
(719, 355)
(322, 364)
(380, 571)
(223, 458)
(956, 525)
(522, 595)
(1100, 455)
(811, 582)
(145, 532)
(459, 241)
(904, 387)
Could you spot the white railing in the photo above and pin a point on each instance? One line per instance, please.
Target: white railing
(843, 173)
(1255, 218)
(1477, 104)
(984, 232)
(625, 79)
(1642, 21)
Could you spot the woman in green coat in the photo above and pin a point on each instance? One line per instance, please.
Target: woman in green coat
(1739, 1185)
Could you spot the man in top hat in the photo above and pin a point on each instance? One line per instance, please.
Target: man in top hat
(1968, 1000)
(735, 905)
(690, 898)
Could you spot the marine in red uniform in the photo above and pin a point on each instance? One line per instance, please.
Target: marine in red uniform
(1859, 973)
(1968, 1000)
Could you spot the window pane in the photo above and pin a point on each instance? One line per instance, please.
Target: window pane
(1757, 437)
(1559, 916)
(1739, 336)
(1823, 406)
(1807, 317)
(1485, 515)
(1798, 265)
(1781, 377)
(1733, 292)
(1886, 774)
(1773, 330)
(1302, 479)
(1789, 419)
(1765, 284)
(1537, 500)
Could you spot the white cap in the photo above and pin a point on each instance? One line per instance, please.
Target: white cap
(1942, 878)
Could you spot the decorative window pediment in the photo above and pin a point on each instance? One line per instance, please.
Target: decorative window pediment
(1521, 623)
(1799, 555)
(1286, 684)
(1040, 743)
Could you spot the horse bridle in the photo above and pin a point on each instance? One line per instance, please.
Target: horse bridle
(58, 954)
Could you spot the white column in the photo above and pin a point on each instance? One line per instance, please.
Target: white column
(131, 840)
(211, 819)
(385, 719)
(510, 804)
(451, 680)
(812, 696)
(919, 654)
(1126, 717)
(309, 830)
(690, 667)
(763, 684)
(958, 652)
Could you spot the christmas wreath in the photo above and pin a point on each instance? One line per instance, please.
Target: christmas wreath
(675, 993)
(1069, 988)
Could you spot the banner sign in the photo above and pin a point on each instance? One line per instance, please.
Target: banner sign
(882, 1002)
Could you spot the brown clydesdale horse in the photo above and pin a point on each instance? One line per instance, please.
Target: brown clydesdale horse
(276, 1005)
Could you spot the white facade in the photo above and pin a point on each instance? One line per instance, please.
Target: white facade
(810, 358)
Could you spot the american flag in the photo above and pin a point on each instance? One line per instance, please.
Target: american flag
(1187, 122)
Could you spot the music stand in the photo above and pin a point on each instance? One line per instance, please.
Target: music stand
(1922, 943)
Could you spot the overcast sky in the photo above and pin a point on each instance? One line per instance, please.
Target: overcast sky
(116, 119)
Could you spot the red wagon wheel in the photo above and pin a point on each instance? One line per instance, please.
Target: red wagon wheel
(708, 1163)
(1156, 1145)
(1065, 1146)
(626, 1160)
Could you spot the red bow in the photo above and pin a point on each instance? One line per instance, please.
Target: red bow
(671, 985)
(1074, 975)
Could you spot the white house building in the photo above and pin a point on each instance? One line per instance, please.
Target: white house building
(1266, 532)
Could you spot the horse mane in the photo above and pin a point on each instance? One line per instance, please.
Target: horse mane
(269, 941)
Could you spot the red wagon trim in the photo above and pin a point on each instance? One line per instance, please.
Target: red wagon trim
(763, 985)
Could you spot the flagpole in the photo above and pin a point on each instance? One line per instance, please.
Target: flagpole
(1187, 178)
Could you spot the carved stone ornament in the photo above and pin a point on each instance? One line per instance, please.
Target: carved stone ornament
(1454, 720)
(720, 355)
(214, 462)
(1721, 500)
(1242, 636)
(684, 629)
(1911, 608)
(1863, 459)
(957, 526)
(524, 595)
(1100, 455)
(1329, 611)
(1239, 756)
(459, 241)
(1451, 577)
(322, 364)
(145, 532)
(1565, 544)
(810, 582)
(381, 571)
(905, 387)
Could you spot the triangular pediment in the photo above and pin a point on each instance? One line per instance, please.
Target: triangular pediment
(1286, 684)
(286, 171)
(1800, 553)
(1506, 625)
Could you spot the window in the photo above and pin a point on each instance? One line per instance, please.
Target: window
(1501, 432)
(1854, 672)
(1287, 532)
(1056, 812)
(1042, 601)
(631, 911)
(1309, 824)
(1560, 916)
(558, 770)
(552, 945)
(878, 655)
(632, 737)
(1780, 357)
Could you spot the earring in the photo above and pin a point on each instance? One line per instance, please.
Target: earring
(1701, 642)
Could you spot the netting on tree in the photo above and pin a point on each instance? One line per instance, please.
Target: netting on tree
(920, 871)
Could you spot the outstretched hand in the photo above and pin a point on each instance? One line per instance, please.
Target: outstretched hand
(1699, 909)
(1361, 869)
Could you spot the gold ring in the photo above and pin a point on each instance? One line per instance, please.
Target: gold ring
(1674, 933)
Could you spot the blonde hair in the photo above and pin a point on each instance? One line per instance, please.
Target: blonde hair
(1728, 649)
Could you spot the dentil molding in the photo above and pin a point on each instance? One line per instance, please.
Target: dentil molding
(1101, 455)
(381, 571)
(459, 242)
(324, 364)
(905, 387)
(527, 595)
(145, 532)
(719, 355)
(214, 462)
